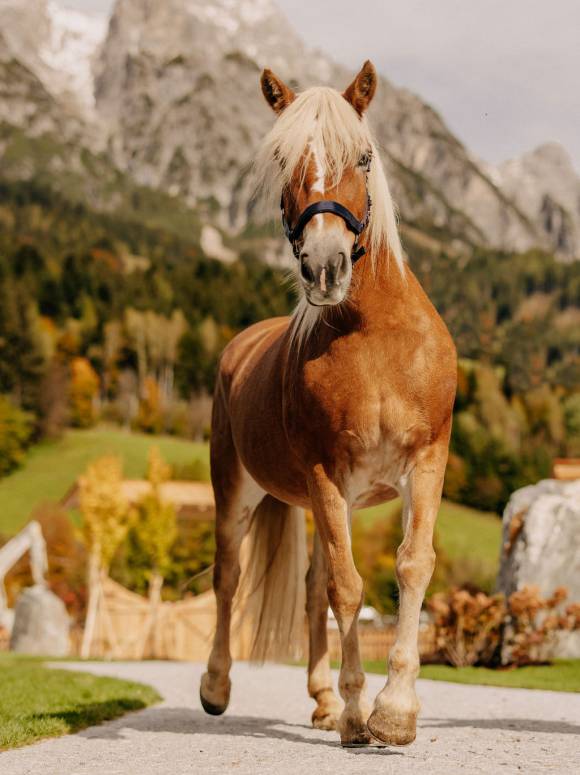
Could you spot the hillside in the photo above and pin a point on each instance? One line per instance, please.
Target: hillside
(52, 468)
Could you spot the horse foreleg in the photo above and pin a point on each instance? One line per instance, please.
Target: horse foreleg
(328, 707)
(236, 498)
(394, 718)
(345, 593)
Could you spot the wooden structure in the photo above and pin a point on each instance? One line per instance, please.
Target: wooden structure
(192, 500)
(183, 630)
(566, 469)
(29, 539)
(128, 627)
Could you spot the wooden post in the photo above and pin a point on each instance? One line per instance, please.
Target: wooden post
(94, 583)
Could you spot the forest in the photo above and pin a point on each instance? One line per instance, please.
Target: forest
(108, 317)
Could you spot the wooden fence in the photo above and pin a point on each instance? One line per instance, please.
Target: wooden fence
(375, 643)
(127, 628)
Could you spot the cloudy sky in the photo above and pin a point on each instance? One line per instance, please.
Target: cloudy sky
(505, 74)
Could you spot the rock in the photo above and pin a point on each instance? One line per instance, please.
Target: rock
(41, 624)
(541, 546)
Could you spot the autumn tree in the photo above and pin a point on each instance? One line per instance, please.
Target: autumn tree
(155, 530)
(106, 518)
(84, 389)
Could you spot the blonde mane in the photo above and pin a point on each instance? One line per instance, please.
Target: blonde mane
(321, 117)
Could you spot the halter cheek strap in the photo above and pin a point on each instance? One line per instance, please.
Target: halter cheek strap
(328, 206)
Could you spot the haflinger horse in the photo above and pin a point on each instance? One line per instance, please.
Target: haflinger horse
(344, 405)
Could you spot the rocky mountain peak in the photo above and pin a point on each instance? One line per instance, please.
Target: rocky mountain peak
(58, 45)
(171, 90)
(545, 186)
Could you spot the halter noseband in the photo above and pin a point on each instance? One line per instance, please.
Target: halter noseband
(329, 206)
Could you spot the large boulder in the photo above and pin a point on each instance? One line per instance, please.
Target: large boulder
(41, 624)
(541, 545)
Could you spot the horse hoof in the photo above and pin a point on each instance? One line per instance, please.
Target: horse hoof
(219, 699)
(323, 719)
(360, 739)
(353, 732)
(393, 729)
(209, 707)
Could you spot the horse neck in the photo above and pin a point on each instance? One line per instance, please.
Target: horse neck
(377, 299)
(378, 288)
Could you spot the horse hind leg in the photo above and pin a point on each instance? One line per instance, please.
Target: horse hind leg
(328, 708)
(345, 593)
(236, 495)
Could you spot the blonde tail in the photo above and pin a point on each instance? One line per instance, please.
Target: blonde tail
(270, 602)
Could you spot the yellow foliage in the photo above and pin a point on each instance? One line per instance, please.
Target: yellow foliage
(83, 392)
(105, 510)
(156, 522)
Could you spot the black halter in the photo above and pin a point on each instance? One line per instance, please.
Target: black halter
(330, 206)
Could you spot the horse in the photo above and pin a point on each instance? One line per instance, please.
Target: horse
(345, 404)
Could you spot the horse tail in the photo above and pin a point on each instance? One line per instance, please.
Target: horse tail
(271, 597)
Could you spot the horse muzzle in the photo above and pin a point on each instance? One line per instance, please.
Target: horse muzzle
(325, 279)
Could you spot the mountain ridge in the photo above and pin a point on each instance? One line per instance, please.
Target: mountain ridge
(176, 105)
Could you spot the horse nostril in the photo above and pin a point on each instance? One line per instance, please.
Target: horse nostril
(306, 269)
(343, 264)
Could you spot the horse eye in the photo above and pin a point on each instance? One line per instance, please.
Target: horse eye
(365, 160)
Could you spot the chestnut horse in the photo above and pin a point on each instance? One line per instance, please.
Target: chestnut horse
(346, 404)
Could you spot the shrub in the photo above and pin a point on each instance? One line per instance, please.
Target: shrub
(479, 629)
(15, 435)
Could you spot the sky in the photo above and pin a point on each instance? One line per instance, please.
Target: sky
(504, 74)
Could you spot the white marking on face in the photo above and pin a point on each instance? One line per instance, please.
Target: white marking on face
(323, 280)
(318, 185)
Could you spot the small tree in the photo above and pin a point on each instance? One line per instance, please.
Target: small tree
(106, 519)
(155, 524)
(155, 528)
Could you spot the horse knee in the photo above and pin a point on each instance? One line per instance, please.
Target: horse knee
(346, 596)
(415, 567)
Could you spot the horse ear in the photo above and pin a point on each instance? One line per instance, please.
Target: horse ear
(362, 89)
(277, 94)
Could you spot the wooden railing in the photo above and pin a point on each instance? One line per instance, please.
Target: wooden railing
(375, 643)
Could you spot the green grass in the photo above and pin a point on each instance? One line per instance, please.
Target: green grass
(37, 702)
(561, 676)
(51, 468)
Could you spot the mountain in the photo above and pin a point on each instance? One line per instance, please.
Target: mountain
(545, 186)
(57, 45)
(168, 92)
(179, 83)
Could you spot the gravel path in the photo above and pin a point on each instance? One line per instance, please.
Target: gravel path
(266, 731)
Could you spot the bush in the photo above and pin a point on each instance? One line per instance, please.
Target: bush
(483, 630)
(15, 435)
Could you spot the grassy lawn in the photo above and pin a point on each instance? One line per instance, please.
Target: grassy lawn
(51, 468)
(561, 676)
(38, 702)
